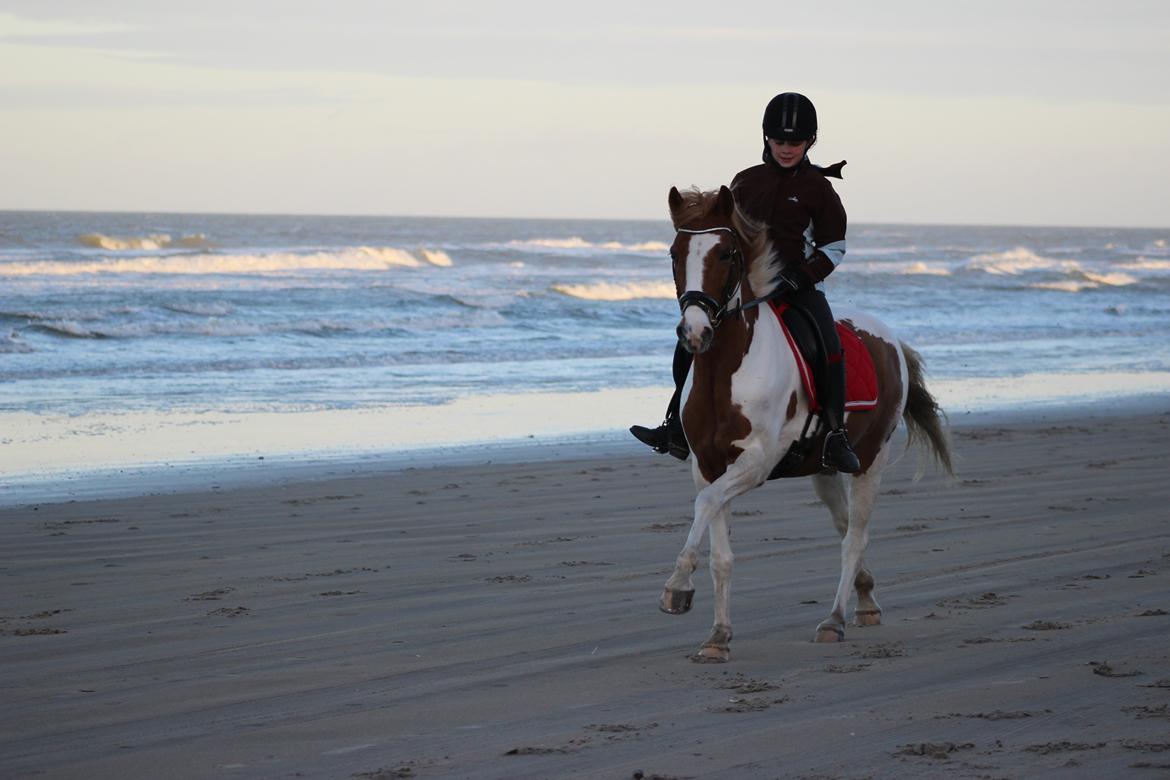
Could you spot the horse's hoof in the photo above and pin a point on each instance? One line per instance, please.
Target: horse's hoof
(710, 654)
(829, 634)
(868, 617)
(676, 602)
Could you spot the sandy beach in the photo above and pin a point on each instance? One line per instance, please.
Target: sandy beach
(500, 621)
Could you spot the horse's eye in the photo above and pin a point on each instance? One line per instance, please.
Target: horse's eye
(726, 256)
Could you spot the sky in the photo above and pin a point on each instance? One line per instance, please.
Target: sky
(1041, 112)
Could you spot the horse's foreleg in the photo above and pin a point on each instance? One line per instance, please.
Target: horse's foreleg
(679, 594)
(862, 493)
(713, 504)
(717, 647)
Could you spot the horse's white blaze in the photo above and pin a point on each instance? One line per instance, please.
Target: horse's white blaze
(700, 245)
(694, 320)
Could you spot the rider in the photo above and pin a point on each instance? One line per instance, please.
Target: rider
(806, 223)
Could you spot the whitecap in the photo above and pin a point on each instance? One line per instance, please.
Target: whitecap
(1065, 286)
(1145, 264)
(363, 258)
(151, 242)
(610, 291)
(436, 257)
(576, 242)
(390, 255)
(1111, 280)
(573, 242)
(907, 268)
(920, 268)
(1016, 261)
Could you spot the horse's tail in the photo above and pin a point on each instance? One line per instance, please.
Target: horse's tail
(924, 419)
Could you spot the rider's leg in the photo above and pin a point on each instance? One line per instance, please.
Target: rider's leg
(837, 453)
(669, 436)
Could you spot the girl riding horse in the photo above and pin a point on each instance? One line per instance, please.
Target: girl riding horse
(806, 224)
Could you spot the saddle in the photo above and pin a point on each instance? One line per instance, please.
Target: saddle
(804, 339)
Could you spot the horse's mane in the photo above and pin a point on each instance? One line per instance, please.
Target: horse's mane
(762, 262)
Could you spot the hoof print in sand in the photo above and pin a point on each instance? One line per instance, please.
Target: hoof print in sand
(1105, 670)
(940, 750)
(211, 595)
(747, 685)
(997, 714)
(893, 650)
(1048, 748)
(34, 631)
(736, 704)
(231, 612)
(1046, 625)
(1142, 711)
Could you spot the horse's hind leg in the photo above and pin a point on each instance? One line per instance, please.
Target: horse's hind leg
(851, 517)
(830, 488)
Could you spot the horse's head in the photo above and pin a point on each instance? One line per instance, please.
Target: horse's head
(708, 263)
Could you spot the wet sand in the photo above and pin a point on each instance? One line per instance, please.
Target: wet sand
(500, 621)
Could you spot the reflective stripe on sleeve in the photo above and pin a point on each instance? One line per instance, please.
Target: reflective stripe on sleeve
(835, 251)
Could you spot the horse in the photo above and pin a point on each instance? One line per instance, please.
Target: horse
(743, 406)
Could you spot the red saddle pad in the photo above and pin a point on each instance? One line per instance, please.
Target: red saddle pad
(861, 385)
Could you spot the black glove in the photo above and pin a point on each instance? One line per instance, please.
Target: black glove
(789, 281)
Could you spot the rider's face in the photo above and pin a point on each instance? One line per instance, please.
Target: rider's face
(787, 153)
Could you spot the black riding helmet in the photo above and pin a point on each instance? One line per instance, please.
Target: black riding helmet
(790, 116)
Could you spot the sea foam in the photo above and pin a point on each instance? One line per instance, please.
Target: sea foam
(359, 259)
(1016, 261)
(576, 242)
(611, 291)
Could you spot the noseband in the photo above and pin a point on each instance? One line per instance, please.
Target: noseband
(716, 311)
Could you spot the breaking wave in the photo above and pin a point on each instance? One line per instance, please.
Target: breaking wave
(907, 268)
(576, 242)
(152, 242)
(363, 258)
(1088, 281)
(1017, 261)
(610, 291)
(1145, 264)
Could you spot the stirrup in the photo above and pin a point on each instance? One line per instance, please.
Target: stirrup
(843, 458)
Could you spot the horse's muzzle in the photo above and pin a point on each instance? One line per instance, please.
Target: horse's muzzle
(694, 339)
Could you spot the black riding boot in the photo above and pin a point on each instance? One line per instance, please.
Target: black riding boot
(669, 436)
(837, 453)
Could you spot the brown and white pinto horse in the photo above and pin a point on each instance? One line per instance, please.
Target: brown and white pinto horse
(743, 405)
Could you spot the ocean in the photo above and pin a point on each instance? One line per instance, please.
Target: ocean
(110, 316)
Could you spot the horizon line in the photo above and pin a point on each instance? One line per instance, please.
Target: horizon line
(665, 218)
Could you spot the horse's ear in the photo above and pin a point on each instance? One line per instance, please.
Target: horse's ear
(674, 200)
(726, 202)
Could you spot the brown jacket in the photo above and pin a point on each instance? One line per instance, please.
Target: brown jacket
(804, 216)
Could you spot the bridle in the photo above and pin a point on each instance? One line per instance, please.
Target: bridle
(716, 311)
